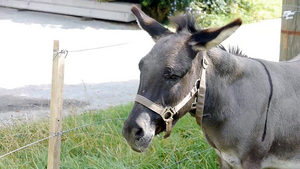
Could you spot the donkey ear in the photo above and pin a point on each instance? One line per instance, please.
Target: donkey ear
(208, 38)
(154, 28)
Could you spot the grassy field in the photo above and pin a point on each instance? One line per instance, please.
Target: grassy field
(103, 146)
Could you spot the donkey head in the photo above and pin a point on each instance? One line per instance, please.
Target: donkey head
(168, 72)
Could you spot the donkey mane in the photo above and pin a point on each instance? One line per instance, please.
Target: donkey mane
(235, 50)
(185, 23)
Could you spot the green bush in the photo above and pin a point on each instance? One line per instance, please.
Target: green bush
(219, 12)
(160, 10)
(211, 12)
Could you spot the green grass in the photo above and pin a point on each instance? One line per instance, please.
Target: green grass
(103, 146)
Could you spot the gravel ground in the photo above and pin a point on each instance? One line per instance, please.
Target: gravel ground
(94, 79)
(32, 102)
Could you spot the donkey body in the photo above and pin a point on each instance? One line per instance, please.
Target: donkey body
(251, 113)
(236, 106)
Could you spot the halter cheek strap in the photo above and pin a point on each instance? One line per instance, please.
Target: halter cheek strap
(201, 94)
(168, 112)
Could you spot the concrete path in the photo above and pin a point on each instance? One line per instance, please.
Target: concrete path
(95, 79)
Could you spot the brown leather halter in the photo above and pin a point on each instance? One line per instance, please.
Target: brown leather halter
(168, 112)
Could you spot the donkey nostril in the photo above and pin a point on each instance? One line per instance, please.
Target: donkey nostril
(139, 134)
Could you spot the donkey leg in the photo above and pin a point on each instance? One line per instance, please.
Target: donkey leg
(223, 164)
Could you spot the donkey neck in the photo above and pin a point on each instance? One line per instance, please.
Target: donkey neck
(223, 71)
(225, 65)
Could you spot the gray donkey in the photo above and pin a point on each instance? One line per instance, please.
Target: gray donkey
(248, 109)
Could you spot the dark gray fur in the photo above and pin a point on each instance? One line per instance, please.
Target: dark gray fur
(236, 102)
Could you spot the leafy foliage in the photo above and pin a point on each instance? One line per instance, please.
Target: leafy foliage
(212, 12)
(218, 12)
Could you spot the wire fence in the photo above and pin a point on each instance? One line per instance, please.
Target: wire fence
(58, 134)
(79, 127)
(126, 43)
(66, 52)
(101, 47)
(177, 162)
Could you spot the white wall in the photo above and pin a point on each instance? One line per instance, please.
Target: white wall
(115, 11)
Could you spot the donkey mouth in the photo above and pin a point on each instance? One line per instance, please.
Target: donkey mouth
(142, 144)
(159, 130)
(139, 150)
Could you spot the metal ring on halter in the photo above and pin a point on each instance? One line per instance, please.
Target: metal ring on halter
(168, 114)
(197, 83)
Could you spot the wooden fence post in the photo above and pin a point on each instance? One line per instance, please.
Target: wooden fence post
(56, 107)
(290, 31)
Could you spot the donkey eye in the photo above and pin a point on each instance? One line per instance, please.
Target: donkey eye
(171, 77)
(174, 77)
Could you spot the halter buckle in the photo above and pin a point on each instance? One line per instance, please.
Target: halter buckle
(204, 63)
(197, 85)
(194, 105)
(168, 114)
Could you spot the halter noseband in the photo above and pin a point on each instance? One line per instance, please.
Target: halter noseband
(168, 112)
